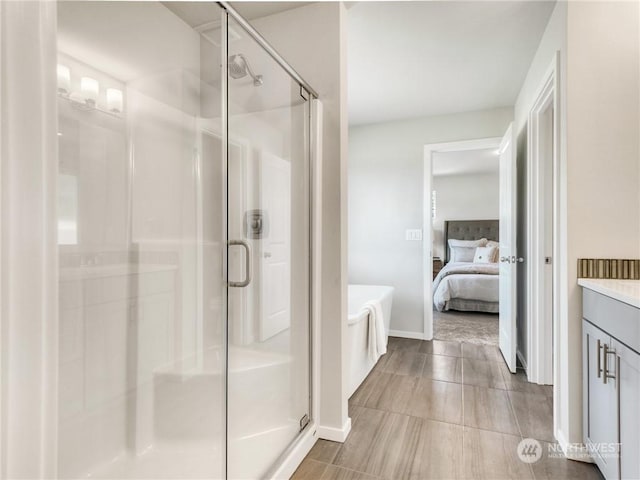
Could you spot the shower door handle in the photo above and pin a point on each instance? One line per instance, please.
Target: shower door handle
(247, 265)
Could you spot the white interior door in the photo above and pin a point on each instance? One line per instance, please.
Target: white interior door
(275, 177)
(508, 254)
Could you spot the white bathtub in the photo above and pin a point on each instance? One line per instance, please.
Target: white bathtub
(359, 362)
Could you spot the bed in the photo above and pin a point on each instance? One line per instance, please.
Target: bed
(464, 284)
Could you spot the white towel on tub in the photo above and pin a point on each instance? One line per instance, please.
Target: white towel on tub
(377, 340)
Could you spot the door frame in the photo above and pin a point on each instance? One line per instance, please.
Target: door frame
(427, 220)
(542, 350)
(302, 445)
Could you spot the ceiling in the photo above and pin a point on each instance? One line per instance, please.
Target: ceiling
(251, 10)
(196, 13)
(466, 162)
(419, 58)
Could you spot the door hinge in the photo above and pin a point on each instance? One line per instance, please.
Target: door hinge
(304, 421)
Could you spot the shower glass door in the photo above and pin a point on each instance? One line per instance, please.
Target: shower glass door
(268, 394)
(142, 241)
(183, 231)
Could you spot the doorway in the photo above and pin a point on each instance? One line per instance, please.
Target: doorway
(494, 261)
(435, 248)
(542, 273)
(465, 208)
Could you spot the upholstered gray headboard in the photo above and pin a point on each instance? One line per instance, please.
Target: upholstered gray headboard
(469, 230)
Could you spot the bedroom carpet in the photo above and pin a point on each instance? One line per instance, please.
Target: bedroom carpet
(468, 327)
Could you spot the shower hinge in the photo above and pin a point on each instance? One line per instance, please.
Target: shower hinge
(304, 421)
(303, 93)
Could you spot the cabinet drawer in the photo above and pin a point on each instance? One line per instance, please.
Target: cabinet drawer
(618, 319)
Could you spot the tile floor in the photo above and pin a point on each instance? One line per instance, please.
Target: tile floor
(442, 410)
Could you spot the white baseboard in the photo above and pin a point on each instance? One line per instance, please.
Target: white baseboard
(297, 453)
(405, 334)
(335, 434)
(573, 451)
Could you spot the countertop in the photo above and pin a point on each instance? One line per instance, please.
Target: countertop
(627, 291)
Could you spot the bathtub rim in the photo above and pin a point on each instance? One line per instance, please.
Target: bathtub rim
(361, 314)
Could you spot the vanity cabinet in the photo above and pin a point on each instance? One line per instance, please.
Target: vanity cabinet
(601, 420)
(611, 384)
(628, 368)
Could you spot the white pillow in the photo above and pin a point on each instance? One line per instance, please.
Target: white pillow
(464, 250)
(485, 255)
(492, 243)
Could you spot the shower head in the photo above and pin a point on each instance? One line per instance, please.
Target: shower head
(239, 68)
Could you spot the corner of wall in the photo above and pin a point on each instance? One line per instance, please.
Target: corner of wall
(314, 42)
(335, 434)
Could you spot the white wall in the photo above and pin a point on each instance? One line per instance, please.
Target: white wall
(385, 199)
(599, 162)
(603, 156)
(313, 40)
(473, 196)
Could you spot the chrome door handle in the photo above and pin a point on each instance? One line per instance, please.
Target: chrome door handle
(505, 259)
(519, 259)
(247, 265)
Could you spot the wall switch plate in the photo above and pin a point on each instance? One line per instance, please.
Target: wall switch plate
(413, 235)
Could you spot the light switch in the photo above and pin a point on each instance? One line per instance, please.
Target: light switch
(413, 235)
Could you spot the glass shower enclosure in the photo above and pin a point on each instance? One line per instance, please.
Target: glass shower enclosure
(184, 244)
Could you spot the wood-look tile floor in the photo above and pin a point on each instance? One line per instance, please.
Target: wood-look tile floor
(442, 410)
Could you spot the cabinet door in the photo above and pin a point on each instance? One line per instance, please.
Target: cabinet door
(601, 405)
(628, 371)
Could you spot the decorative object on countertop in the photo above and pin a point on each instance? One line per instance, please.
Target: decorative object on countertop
(618, 269)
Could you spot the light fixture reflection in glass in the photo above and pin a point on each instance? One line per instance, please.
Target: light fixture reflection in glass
(64, 79)
(114, 100)
(89, 88)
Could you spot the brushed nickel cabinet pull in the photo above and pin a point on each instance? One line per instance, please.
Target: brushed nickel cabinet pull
(598, 366)
(605, 373)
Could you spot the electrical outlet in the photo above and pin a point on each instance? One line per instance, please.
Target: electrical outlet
(413, 235)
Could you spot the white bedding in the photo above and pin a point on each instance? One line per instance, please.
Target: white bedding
(466, 281)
